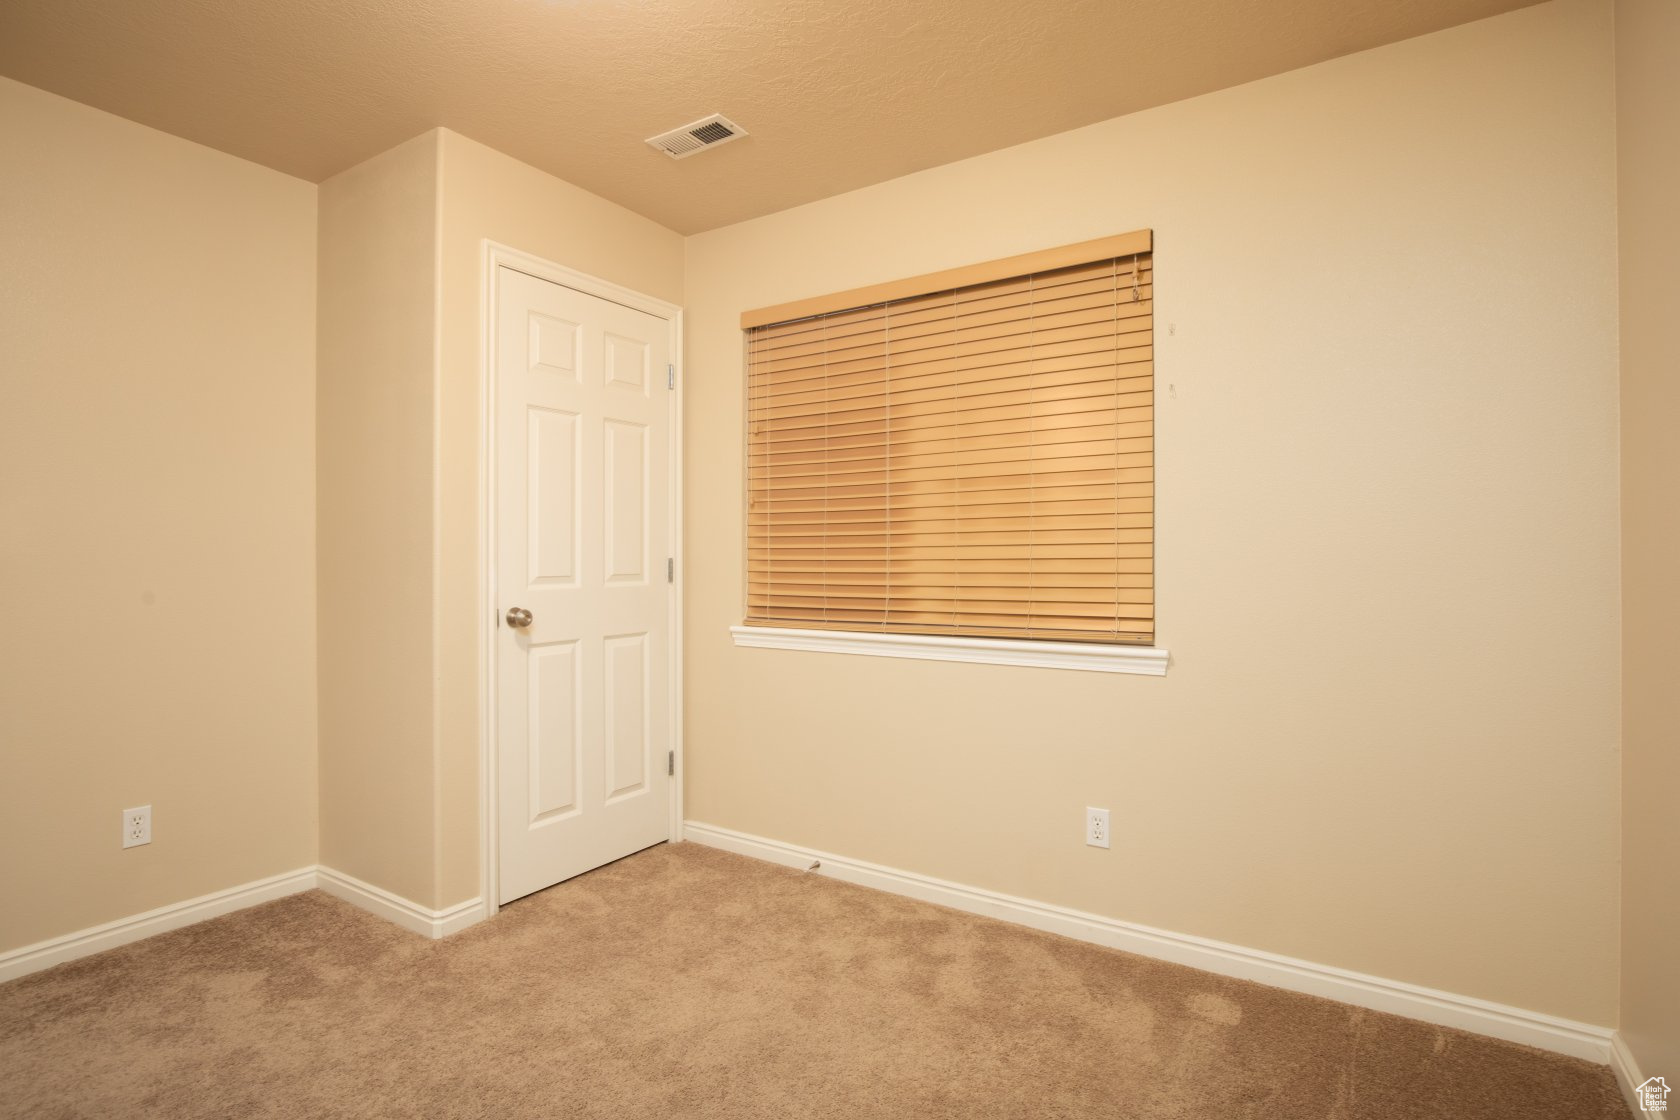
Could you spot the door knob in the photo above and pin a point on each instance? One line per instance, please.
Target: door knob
(519, 618)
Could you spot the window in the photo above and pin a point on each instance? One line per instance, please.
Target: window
(968, 454)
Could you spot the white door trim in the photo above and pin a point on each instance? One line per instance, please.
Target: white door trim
(497, 256)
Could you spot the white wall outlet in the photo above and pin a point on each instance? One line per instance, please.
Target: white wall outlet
(1096, 827)
(137, 826)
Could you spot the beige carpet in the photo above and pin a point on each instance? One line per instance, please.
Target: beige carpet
(686, 982)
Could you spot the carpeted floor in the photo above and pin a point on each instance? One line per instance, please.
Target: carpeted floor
(686, 982)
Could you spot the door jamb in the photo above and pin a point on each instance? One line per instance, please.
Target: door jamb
(495, 257)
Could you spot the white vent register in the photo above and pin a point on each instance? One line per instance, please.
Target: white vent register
(708, 132)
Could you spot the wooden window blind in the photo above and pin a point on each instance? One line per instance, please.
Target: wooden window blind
(969, 453)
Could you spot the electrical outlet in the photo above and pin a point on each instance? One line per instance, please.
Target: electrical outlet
(1096, 827)
(137, 826)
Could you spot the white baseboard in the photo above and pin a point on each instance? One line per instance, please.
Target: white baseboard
(1513, 1024)
(1628, 1073)
(96, 939)
(395, 908)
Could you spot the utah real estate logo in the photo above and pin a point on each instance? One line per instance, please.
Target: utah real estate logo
(1653, 1095)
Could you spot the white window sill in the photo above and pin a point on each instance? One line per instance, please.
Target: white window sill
(1090, 656)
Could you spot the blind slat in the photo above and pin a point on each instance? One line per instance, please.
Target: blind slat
(903, 340)
(1134, 634)
(761, 500)
(966, 370)
(879, 361)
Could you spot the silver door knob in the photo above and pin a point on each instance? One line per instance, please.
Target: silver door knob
(519, 618)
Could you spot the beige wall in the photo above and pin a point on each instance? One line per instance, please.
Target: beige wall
(378, 248)
(487, 195)
(1648, 138)
(157, 572)
(1388, 531)
(1389, 572)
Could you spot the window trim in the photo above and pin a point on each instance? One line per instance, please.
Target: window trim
(1099, 657)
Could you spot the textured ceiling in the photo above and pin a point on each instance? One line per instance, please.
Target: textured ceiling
(836, 94)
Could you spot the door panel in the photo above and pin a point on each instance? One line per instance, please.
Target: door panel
(628, 702)
(626, 504)
(556, 676)
(583, 430)
(552, 503)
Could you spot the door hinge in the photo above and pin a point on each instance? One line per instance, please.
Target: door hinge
(670, 569)
(670, 375)
(670, 764)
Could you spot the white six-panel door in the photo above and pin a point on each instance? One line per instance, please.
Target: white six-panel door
(583, 439)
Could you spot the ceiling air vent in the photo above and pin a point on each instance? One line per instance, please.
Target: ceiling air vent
(708, 132)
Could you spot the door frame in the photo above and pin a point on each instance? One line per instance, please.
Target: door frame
(495, 257)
